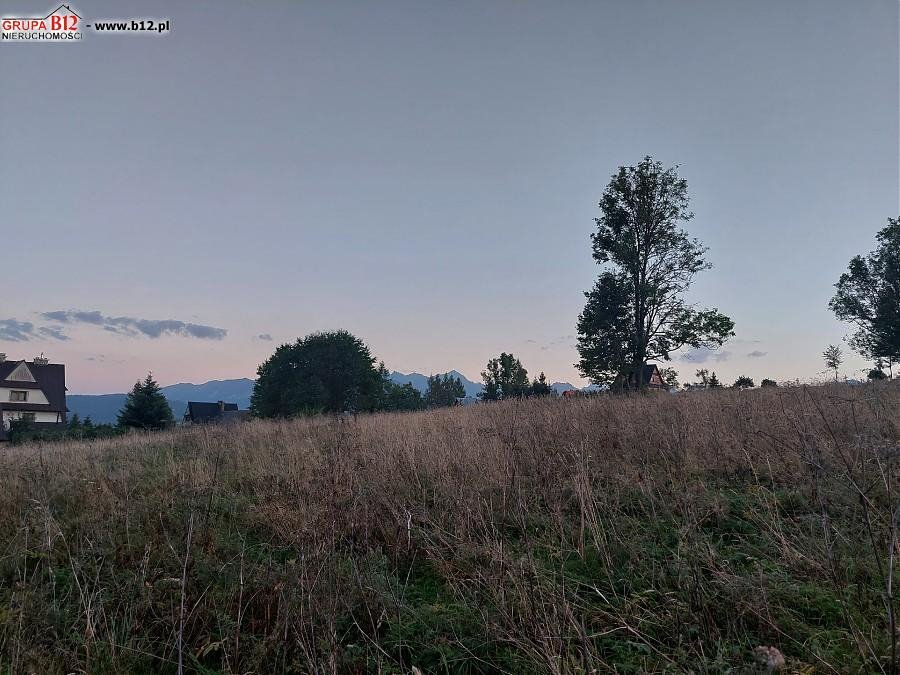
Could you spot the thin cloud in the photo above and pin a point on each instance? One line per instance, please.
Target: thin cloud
(756, 354)
(702, 355)
(265, 337)
(562, 339)
(135, 327)
(14, 330)
(53, 332)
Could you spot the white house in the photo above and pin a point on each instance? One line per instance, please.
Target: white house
(33, 390)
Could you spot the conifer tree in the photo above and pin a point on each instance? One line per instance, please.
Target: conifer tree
(146, 407)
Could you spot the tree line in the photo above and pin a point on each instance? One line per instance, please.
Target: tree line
(636, 312)
(335, 372)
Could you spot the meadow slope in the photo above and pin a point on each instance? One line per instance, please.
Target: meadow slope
(647, 534)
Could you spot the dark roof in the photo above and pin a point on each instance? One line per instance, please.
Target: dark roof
(50, 378)
(649, 369)
(198, 411)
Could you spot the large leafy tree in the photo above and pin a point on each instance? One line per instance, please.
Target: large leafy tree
(637, 311)
(868, 296)
(504, 377)
(146, 407)
(443, 390)
(324, 372)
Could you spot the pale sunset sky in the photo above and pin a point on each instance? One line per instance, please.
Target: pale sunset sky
(425, 174)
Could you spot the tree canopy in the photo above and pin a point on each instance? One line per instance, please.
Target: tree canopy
(146, 407)
(670, 377)
(399, 397)
(744, 382)
(443, 390)
(636, 311)
(868, 296)
(540, 387)
(504, 377)
(329, 372)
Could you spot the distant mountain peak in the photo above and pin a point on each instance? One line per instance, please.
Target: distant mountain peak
(560, 387)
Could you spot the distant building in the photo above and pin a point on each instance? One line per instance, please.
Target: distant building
(653, 377)
(199, 412)
(34, 391)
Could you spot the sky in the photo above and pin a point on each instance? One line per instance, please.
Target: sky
(426, 174)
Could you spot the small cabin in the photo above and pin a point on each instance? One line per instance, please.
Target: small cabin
(220, 412)
(653, 377)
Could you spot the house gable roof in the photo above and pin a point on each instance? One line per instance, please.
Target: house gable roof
(651, 369)
(50, 378)
(21, 373)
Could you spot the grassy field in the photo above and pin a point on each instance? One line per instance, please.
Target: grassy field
(646, 534)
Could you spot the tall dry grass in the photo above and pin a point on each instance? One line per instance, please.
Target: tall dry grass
(645, 534)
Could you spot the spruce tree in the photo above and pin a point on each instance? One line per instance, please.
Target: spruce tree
(146, 407)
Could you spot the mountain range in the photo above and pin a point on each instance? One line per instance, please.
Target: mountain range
(103, 408)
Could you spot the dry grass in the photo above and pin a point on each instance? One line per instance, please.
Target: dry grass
(640, 534)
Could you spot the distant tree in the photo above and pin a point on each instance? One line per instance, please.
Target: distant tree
(83, 429)
(504, 377)
(868, 296)
(833, 359)
(540, 387)
(145, 407)
(396, 397)
(743, 382)
(707, 380)
(670, 377)
(443, 390)
(768, 383)
(329, 372)
(877, 374)
(402, 397)
(636, 311)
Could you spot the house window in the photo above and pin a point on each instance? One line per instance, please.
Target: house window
(18, 396)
